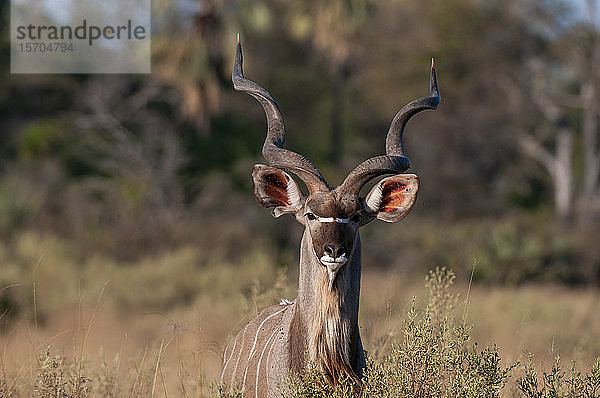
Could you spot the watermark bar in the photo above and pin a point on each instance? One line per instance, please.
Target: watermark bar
(80, 36)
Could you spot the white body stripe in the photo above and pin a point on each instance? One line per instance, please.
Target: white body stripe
(269, 355)
(230, 356)
(254, 346)
(239, 355)
(260, 360)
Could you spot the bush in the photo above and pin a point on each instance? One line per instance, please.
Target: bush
(434, 358)
(558, 383)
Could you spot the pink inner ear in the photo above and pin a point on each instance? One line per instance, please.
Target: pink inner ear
(276, 189)
(395, 195)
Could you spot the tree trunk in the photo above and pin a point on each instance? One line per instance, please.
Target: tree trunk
(558, 164)
(588, 205)
(562, 174)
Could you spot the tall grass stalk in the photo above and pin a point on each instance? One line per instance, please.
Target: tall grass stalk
(430, 355)
(433, 358)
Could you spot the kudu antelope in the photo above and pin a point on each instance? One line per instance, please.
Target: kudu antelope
(320, 326)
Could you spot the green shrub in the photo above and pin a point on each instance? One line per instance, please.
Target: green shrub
(433, 355)
(557, 383)
(434, 358)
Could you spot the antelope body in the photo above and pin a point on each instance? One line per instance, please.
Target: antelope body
(320, 327)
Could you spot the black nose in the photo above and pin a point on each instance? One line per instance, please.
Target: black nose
(335, 251)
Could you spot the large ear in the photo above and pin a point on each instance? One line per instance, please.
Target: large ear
(392, 198)
(275, 188)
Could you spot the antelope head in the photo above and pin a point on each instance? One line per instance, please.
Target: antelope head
(333, 216)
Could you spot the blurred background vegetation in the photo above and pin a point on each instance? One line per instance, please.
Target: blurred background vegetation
(128, 166)
(144, 180)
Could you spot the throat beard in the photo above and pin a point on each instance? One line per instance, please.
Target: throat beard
(331, 330)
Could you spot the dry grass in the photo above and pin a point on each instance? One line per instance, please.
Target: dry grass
(436, 357)
(159, 326)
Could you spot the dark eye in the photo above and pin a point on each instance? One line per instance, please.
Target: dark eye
(311, 216)
(356, 218)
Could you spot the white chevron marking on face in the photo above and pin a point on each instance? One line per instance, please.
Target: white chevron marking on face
(334, 219)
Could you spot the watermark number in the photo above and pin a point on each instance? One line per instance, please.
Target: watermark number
(42, 47)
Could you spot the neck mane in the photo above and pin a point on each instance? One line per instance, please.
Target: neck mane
(327, 320)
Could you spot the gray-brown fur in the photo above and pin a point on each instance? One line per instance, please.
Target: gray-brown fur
(321, 326)
(291, 335)
(253, 359)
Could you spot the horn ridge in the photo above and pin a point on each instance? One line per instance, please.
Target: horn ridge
(395, 160)
(273, 150)
(393, 141)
